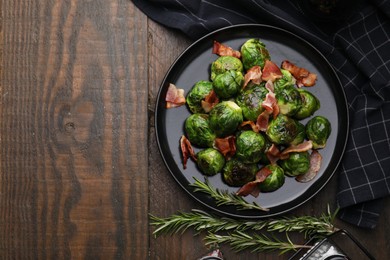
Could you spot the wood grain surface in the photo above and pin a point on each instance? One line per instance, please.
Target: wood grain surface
(80, 168)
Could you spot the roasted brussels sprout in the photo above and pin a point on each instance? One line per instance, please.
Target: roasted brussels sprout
(210, 161)
(283, 130)
(296, 164)
(318, 130)
(225, 117)
(228, 84)
(198, 130)
(289, 100)
(274, 181)
(197, 93)
(250, 146)
(310, 104)
(236, 173)
(301, 133)
(225, 63)
(264, 158)
(250, 100)
(286, 80)
(254, 52)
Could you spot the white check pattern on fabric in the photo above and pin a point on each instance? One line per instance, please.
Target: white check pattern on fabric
(359, 50)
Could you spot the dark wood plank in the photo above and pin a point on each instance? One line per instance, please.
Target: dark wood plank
(73, 130)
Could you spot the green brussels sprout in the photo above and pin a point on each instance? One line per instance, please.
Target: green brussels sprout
(301, 133)
(198, 130)
(197, 93)
(286, 80)
(318, 130)
(250, 100)
(310, 104)
(225, 63)
(210, 161)
(236, 173)
(289, 100)
(296, 164)
(254, 52)
(283, 130)
(228, 84)
(250, 146)
(273, 181)
(225, 117)
(264, 158)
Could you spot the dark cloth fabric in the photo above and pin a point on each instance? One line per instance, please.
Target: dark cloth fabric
(357, 44)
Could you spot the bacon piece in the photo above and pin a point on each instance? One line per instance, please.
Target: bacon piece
(227, 146)
(303, 76)
(270, 105)
(186, 150)
(174, 97)
(271, 71)
(269, 102)
(224, 50)
(254, 75)
(252, 125)
(273, 154)
(302, 147)
(315, 165)
(262, 120)
(252, 187)
(209, 101)
(269, 85)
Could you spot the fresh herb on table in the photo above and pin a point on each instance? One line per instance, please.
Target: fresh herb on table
(224, 197)
(257, 236)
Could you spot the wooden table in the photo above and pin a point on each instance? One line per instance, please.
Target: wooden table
(80, 167)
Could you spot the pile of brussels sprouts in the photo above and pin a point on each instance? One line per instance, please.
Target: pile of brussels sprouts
(236, 105)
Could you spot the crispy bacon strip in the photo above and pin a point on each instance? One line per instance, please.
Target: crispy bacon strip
(302, 147)
(209, 101)
(227, 146)
(270, 105)
(262, 121)
(252, 125)
(186, 150)
(315, 165)
(273, 154)
(303, 76)
(174, 97)
(253, 74)
(224, 50)
(271, 71)
(252, 187)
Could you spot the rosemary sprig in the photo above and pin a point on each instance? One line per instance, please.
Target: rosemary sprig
(203, 221)
(309, 225)
(224, 197)
(240, 241)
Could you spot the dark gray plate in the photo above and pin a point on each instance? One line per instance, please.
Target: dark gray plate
(194, 65)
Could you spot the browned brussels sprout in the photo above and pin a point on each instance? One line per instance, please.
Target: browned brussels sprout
(283, 130)
(197, 93)
(318, 130)
(310, 104)
(250, 146)
(225, 63)
(273, 181)
(254, 52)
(225, 117)
(296, 164)
(210, 161)
(198, 130)
(236, 173)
